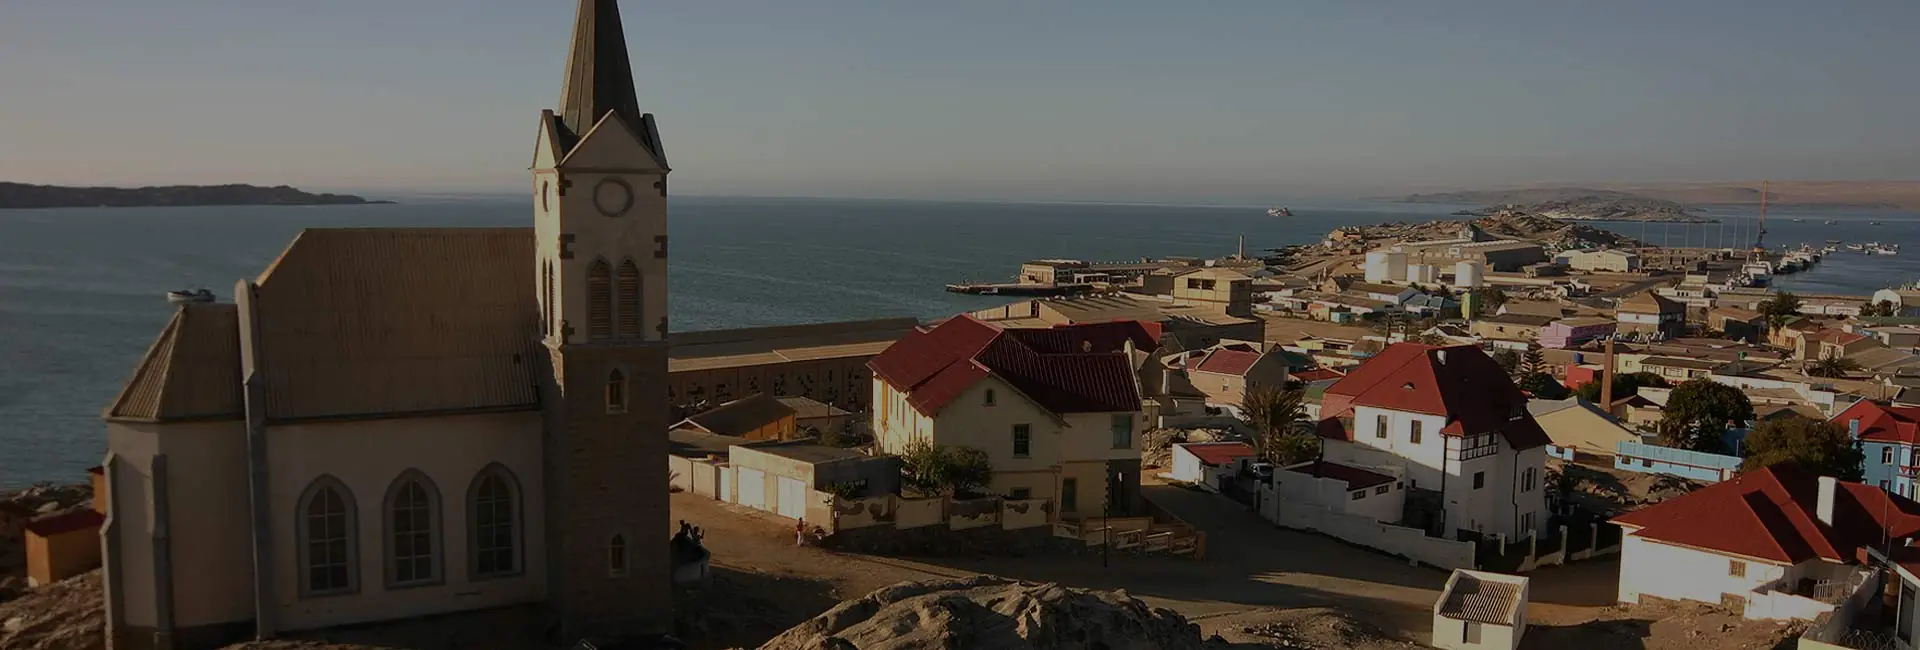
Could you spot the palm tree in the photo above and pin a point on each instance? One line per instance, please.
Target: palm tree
(1275, 416)
(1832, 367)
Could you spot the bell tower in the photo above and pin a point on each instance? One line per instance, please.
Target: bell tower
(600, 220)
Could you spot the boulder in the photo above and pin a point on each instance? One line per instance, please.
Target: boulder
(991, 612)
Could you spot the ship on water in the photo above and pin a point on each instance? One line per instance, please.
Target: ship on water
(1279, 212)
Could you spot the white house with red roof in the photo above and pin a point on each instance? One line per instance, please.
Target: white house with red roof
(1207, 464)
(1451, 417)
(1779, 542)
(1057, 410)
(1889, 436)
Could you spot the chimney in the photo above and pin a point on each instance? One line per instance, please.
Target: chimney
(1606, 380)
(1824, 510)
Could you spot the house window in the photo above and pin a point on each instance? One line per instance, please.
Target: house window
(1360, 495)
(327, 533)
(1382, 489)
(617, 556)
(413, 531)
(1020, 494)
(1479, 480)
(1526, 523)
(1069, 495)
(1526, 480)
(1886, 455)
(1736, 568)
(988, 400)
(616, 391)
(493, 508)
(1646, 462)
(1022, 440)
(1413, 434)
(1380, 426)
(1123, 431)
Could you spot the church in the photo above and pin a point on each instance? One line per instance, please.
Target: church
(390, 423)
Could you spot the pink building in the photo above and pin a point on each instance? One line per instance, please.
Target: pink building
(1571, 332)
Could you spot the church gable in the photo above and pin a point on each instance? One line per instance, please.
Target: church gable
(547, 145)
(612, 144)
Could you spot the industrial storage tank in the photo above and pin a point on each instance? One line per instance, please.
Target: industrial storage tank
(1469, 275)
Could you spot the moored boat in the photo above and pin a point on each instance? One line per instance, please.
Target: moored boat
(187, 295)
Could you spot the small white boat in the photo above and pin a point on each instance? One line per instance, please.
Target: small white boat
(1279, 212)
(183, 295)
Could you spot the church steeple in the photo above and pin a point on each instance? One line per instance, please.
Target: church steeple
(599, 77)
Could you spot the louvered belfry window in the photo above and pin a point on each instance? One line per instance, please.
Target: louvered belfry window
(627, 299)
(599, 301)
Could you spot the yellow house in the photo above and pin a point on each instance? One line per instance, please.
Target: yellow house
(1226, 372)
(1580, 425)
(1057, 410)
(62, 546)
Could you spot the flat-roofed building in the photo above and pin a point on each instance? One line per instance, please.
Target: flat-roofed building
(826, 362)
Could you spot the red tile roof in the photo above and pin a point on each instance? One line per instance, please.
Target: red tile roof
(1218, 453)
(1882, 423)
(934, 366)
(66, 522)
(1317, 374)
(1460, 382)
(1356, 478)
(1228, 362)
(1771, 514)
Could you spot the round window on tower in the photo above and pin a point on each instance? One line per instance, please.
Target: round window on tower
(613, 197)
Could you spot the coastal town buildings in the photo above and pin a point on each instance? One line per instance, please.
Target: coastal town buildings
(1772, 543)
(400, 422)
(1227, 372)
(1511, 327)
(1192, 326)
(1058, 411)
(1576, 331)
(1738, 324)
(1650, 313)
(1451, 417)
(1579, 427)
(825, 362)
(1606, 260)
(1472, 245)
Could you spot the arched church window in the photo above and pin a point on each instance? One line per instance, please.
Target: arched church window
(627, 299)
(329, 558)
(617, 556)
(616, 391)
(493, 516)
(599, 300)
(413, 531)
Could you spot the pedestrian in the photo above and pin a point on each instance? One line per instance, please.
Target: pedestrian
(800, 533)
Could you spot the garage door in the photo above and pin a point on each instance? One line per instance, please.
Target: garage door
(793, 498)
(753, 488)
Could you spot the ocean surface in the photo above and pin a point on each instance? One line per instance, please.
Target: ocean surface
(81, 290)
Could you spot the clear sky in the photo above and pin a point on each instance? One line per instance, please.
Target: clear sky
(1129, 100)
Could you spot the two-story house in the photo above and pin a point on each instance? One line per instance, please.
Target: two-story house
(1057, 410)
(1452, 418)
(1225, 373)
(1651, 313)
(1888, 436)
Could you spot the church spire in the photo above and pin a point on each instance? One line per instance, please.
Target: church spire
(599, 77)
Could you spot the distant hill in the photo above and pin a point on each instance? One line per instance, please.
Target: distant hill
(1853, 194)
(1609, 206)
(21, 195)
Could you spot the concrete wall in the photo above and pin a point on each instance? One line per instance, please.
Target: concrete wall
(914, 513)
(366, 456)
(1332, 494)
(845, 382)
(1406, 542)
(208, 522)
(1450, 634)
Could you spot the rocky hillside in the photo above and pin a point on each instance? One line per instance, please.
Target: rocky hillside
(21, 195)
(1599, 208)
(991, 612)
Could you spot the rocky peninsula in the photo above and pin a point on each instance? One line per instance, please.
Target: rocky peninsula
(25, 196)
(1596, 208)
